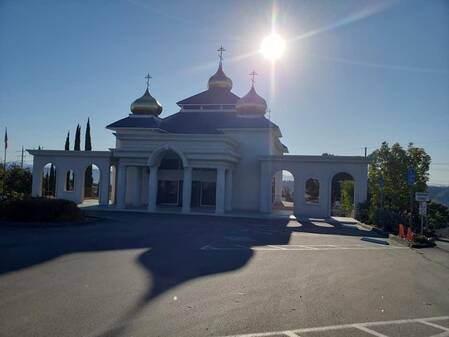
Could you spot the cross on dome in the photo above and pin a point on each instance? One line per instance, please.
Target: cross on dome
(148, 77)
(253, 74)
(220, 55)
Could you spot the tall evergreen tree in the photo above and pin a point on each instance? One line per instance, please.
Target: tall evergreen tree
(52, 180)
(67, 142)
(67, 148)
(88, 177)
(87, 139)
(77, 146)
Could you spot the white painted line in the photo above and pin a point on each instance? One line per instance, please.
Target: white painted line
(300, 247)
(443, 334)
(434, 325)
(277, 247)
(371, 332)
(361, 326)
(290, 334)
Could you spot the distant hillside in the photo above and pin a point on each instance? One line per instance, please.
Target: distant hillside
(439, 194)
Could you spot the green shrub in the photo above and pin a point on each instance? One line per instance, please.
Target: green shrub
(40, 210)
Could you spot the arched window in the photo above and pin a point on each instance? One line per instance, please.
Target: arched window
(70, 181)
(49, 181)
(312, 191)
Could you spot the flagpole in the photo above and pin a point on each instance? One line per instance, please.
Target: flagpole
(6, 147)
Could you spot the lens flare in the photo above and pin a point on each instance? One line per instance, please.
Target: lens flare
(273, 47)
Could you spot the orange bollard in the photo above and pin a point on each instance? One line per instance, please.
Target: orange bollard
(401, 231)
(409, 234)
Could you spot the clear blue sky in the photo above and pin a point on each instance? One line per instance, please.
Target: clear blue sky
(355, 73)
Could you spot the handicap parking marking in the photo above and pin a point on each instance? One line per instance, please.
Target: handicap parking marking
(365, 327)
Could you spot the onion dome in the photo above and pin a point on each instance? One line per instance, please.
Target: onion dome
(251, 103)
(220, 80)
(146, 105)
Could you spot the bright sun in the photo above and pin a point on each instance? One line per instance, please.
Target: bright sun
(273, 47)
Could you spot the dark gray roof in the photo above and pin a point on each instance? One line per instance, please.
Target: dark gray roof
(211, 96)
(211, 122)
(203, 122)
(136, 122)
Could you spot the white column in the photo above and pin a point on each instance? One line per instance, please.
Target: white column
(113, 179)
(36, 190)
(265, 188)
(152, 189)
(187, 189)
(121, 186)
(220, 191)
(79, 184)
(60, 181)
(278, 188)
(228, 199)
(105, 177)
(137, 186)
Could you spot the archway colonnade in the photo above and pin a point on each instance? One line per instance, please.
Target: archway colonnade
(169, 180)
(313, 178)
(69, 176)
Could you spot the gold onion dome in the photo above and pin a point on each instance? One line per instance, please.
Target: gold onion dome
(219, 80)
(146, 105)
(251, 103)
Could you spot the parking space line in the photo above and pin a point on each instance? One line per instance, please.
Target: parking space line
(433, 325)
(361, 326)
(367, 330)
(300, 247)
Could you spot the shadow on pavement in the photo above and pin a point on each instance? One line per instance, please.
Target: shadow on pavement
(173, 241)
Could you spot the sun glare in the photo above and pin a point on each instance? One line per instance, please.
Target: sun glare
(273, 47)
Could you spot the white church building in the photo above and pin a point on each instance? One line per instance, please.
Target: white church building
(219, 153)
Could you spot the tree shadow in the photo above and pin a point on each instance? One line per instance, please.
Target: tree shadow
(177, 246)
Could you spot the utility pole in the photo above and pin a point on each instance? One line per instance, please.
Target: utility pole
(366, 149)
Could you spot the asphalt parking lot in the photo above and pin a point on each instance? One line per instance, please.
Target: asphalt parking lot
(136, 274)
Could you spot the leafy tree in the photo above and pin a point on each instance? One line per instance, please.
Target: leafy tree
(77, 146)
(347, 197)
(437, 215)
(17, 182)
(392, 163)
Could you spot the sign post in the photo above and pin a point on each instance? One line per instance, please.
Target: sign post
(411, 177)
(422, 197)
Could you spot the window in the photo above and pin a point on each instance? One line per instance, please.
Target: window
(312, 192)
(70, 181)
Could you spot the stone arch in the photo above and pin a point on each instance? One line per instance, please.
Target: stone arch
(336, 206)
(91, 174)
(282, 190)
(312, 190)
(156, 155)
(69, 182)
(49, 180)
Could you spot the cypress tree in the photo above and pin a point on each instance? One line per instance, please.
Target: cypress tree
(77, 146)
(87, 139)
(88, 177)
(67, 148)
(52, 180)
(67, 142)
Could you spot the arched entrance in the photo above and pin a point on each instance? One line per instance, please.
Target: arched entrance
(342, 195)
(170, 179)
(282, 192)
(92, 183)
(49, 181)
